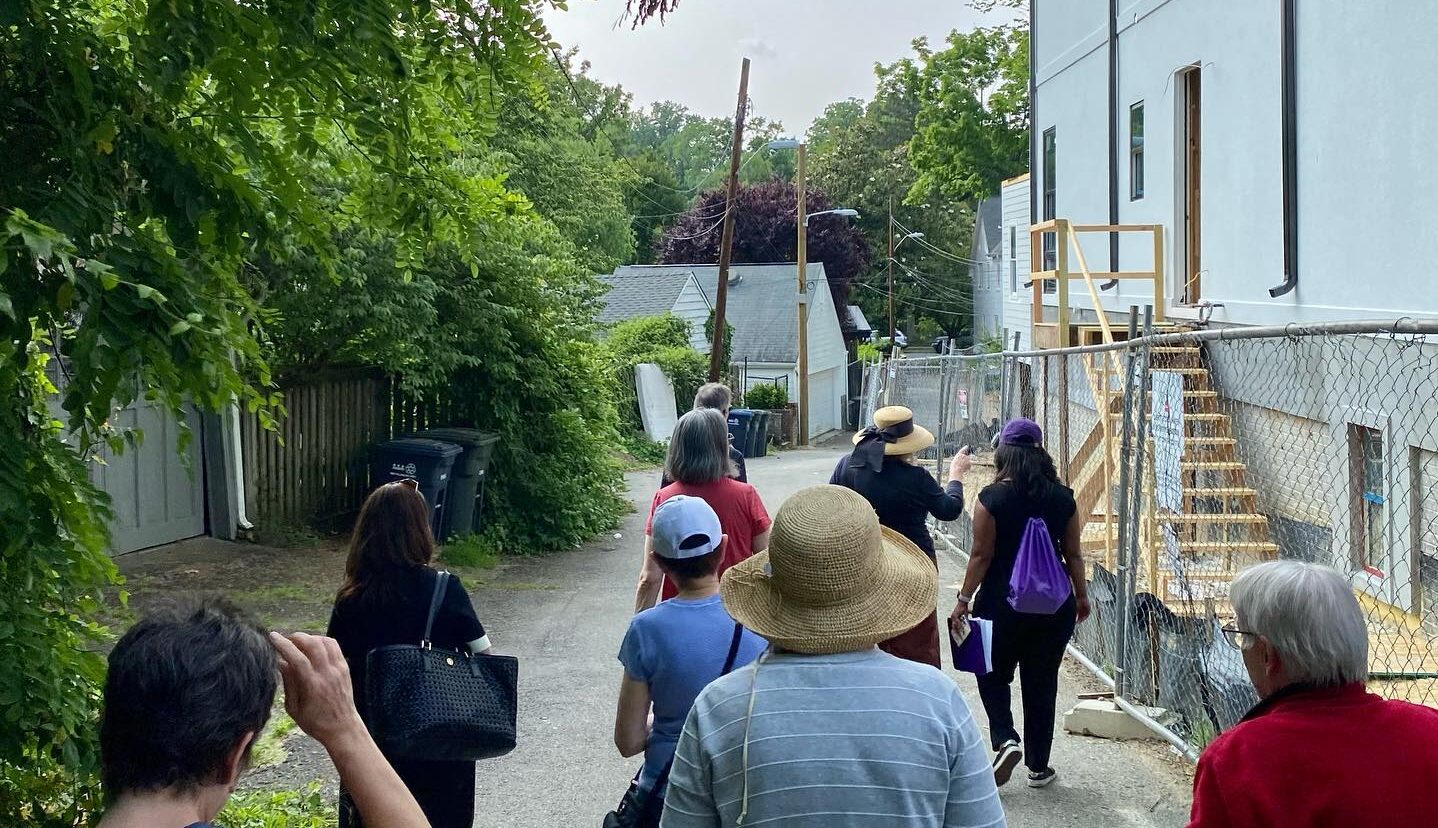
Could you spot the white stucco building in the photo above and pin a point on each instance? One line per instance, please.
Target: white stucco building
(1200, 140)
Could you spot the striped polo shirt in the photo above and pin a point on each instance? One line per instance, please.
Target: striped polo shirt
(854, 739)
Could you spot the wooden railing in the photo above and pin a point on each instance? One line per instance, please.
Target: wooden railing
(1066, 239)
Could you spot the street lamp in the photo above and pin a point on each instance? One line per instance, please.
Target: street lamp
(803, 364)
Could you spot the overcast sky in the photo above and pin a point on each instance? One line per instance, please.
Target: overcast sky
(805, 53)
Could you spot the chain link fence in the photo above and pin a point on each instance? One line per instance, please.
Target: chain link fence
(1193, 455)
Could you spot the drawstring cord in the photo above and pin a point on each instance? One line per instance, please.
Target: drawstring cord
(748, 721)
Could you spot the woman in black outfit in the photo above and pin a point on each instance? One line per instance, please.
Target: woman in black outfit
(881, 468)
(385, 600)
(1026, 486)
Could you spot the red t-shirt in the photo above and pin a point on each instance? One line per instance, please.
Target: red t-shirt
(741, 515)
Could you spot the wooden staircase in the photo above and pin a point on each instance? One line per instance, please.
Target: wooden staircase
(1219, 529)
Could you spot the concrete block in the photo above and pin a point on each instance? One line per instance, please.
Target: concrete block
(1106, 720)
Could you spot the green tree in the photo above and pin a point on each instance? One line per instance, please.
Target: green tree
(971, 131)
(860, 156)
(152, 150)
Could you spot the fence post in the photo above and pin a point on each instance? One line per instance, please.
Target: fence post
(943, 418)
(1124, 528)
(1063, 398)
(1136, 504)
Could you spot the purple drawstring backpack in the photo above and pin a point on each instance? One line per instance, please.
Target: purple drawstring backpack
(1039, 584)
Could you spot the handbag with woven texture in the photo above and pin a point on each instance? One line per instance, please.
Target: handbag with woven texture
(436, 704)
(642, 809)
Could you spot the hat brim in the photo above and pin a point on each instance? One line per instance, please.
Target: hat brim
(903, 592)
(915, 441)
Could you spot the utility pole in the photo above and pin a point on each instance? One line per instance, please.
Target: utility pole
(721, 292)
(803, 217)
(892, 329)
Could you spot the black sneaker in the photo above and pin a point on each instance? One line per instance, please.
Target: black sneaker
(1043, 778)
(1008, 757)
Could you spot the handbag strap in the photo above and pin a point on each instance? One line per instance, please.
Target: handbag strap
(728, 667)
(439, 584)
(733, 649)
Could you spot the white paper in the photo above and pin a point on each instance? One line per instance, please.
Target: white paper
(1167, 429)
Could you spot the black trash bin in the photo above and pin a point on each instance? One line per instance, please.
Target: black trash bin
(740, 420)
(428, 462)
(466, 486)
(758, 434)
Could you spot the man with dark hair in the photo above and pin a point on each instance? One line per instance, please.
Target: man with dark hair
(188, 692)
(672, 650)
(716, 395)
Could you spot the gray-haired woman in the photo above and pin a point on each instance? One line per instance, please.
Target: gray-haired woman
(698, 463)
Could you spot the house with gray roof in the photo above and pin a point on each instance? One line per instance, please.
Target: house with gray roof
(986, 269)
(763, 307)
(635, 295)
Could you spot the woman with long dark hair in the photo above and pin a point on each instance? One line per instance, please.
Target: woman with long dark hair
(1026, 486)
(385, 600)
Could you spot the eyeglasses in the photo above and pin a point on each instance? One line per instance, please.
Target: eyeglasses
(1239, 639)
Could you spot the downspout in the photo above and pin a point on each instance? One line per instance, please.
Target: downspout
(1112, 140)
(1290, 154)
(1033, 117)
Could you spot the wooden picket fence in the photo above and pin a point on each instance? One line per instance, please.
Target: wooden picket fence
(314, 465)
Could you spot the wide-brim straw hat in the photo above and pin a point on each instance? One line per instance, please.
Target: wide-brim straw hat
(833, 580)
(908, 437)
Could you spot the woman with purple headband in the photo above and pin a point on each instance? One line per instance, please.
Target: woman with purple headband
(1025, 487)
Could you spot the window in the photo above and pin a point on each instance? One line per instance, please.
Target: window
(1425, 498)
(1013, 258)
(1050, 206)
(1135, 151)
(1370, 497)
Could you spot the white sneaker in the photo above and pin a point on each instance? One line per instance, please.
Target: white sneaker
(1043, 778)
(1007, 758)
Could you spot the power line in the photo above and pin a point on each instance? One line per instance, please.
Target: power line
(936, 250)
(917, 304)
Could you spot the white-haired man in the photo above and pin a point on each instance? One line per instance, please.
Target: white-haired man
(1318, 749)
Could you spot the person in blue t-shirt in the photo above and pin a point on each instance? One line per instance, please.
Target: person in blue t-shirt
(673, 650)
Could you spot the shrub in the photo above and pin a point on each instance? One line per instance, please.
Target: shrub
(869, 352)
(664, 341)
(306, 808)
(767, 396)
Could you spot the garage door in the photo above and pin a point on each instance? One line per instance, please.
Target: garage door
(156, 494)
(823, 404)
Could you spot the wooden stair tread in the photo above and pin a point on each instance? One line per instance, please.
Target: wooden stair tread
(1212, 465)
(1215, 517)
(1189, 371)
(1200, 394)
(1210, 441)
(1198, 417)
(1227, 546)
(1174, 349)
(1220, 491)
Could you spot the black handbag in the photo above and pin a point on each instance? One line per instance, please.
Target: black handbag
(433, 704)
(641, 809)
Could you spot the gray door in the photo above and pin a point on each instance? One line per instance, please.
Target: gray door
(156, 494)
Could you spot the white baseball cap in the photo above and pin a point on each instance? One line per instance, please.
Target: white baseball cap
(685, 527)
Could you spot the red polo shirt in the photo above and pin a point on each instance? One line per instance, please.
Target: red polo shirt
(1323, 757)
(741, 515)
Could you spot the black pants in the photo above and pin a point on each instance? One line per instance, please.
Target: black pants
(444, 791)
(1035, 645)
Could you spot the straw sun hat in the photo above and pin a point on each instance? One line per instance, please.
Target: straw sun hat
(899, 432)
(832, 580)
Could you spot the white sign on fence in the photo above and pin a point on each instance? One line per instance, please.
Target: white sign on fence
(1166, 400)
(963, 401)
